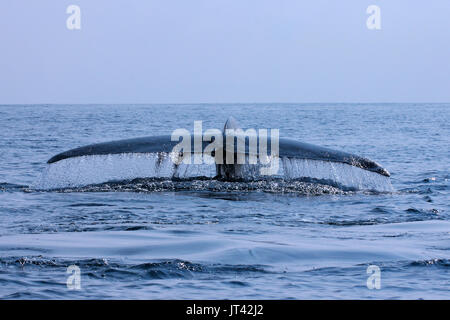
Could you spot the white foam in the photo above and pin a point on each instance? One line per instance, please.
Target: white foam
(335, 173)
(340, 173)
(87, 170)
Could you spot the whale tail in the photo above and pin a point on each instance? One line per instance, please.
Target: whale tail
(129, 159)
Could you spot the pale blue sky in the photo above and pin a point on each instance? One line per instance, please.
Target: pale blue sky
(178, 51)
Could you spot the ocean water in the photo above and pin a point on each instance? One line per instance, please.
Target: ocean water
(203, 239)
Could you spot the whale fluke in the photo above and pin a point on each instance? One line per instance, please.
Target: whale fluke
(298, 159)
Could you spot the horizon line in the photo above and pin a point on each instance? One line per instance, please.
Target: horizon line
(222, 103)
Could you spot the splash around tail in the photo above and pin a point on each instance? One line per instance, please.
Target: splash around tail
(231, 154)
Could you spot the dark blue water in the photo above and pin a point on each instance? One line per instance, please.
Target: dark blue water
(197, 241)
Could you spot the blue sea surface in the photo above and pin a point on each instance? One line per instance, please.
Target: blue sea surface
(189, 242)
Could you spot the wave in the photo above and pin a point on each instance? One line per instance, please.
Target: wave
(157, 269)
(4, 186)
